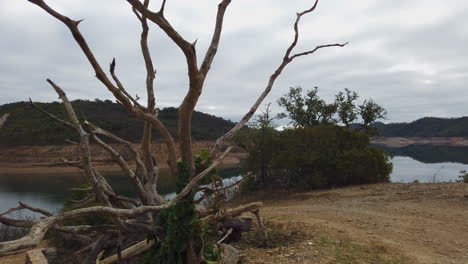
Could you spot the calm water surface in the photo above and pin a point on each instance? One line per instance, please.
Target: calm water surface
(427, 163)
(424, 163)
(48, 191)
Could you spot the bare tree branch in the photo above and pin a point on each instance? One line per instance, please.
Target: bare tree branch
(97, 181)
(97, 130)
(225, 236)
(16, 223)
(317, 48)
(221, 189)
(286, 60)
(129, 252)
(34, 209)
(192, 184)
(159, 20)
(213, 48)
(163, 5)
(100, 75)
(11, 210)
(195, 81)
(125, 167)
(296, 29)
(68, 124)
(122, 88)
(22, 206)
(150, 76)
(264, 232)
(235, 211)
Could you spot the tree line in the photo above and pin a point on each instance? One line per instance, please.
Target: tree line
(310, 110)
(322, 147)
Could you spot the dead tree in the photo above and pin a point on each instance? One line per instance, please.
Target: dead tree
(133, 217)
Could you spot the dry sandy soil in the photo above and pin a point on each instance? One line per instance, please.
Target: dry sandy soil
(382, 223)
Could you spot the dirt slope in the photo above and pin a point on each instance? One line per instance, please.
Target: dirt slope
(379, 224)
(385, 223)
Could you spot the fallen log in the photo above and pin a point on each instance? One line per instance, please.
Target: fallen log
(234, 212)
(129, 252)
(36, 256)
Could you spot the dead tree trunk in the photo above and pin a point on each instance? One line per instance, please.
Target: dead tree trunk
(137, 217)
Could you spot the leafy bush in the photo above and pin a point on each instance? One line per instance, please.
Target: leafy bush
(319, 157)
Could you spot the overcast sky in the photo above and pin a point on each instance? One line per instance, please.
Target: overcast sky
(409, 56)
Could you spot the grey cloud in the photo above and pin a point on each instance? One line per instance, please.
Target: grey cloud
(413, 69)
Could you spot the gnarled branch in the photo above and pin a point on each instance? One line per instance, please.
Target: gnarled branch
(101, 76)
(286, 60)
(213, 48)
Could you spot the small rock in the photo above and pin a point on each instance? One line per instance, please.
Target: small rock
(230, 254)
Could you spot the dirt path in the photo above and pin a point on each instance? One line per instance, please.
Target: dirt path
(399, 223)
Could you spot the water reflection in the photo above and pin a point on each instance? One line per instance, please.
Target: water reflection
(424, 163)
(431, 153)
(48, 191)
(406, 169)
(427, 163)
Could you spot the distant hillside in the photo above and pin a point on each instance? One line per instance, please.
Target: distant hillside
(27, 126)
(426, 127)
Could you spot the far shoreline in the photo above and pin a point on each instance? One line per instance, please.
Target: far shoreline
(19, 167)
(18, 160)
(399, 142)
(15, 160)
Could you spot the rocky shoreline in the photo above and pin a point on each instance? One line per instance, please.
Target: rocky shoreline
(25, 159)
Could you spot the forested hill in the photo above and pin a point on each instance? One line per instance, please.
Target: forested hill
(426, 127)
(28, 126)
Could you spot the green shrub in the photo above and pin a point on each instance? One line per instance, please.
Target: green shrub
(319, 157)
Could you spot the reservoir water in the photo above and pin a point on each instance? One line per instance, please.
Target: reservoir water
(424, 163)
(427, 163)
(48, 191)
